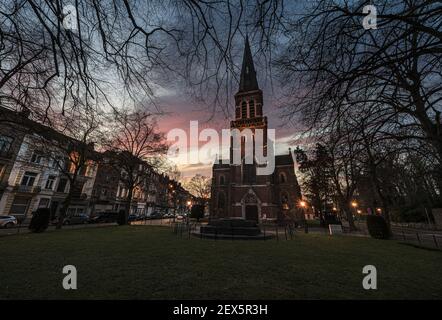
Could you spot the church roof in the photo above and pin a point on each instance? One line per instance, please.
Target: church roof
(284, 159)
(248, 81)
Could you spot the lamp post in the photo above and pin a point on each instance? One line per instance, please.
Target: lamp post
(354, 204)
(303, 205)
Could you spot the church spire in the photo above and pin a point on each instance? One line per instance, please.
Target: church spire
(248, 80)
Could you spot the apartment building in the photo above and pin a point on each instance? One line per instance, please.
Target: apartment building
(31, 178)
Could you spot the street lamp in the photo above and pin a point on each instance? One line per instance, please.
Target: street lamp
(354, 204)
(303, 205)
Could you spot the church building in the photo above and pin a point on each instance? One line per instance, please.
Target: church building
(237, 191)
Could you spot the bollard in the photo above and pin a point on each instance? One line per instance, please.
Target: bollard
(285, 232)
(403, 235)
(264, 229)
(435, 241)
(418, 239)
(277, 234)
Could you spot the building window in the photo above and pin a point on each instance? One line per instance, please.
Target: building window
(50, 182)
(282, 178)
(222, 180)
(221, 200)
(5, 144)
(19, 206)
(89, 171)
(28, 179)
(62, 185)
(252, 108)
(244, 110)
(36, 157)
(237, 112)
(44, 203)
(249, 173)
(285, 201)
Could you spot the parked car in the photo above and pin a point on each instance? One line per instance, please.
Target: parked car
(8, 221)
(133, 217)
(78, 218)
(104, 217)
(156, 215)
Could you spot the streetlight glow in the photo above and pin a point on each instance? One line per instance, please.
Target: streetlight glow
(354, 204)
(303, 204)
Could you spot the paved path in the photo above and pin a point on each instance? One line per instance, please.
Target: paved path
(24, 229)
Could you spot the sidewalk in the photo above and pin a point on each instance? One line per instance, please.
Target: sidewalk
(24, 228)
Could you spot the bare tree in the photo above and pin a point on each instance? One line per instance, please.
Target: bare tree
(130, 142)
(69, 146)
(199, 186)
(333, 67)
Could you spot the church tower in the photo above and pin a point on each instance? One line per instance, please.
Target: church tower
(237, 191)
(248, 103)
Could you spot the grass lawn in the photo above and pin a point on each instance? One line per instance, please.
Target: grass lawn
(145, 262)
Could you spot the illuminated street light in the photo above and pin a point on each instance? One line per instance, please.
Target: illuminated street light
(354, 204)
(335, 209)
(303, 204)
(189, 203)
(359, 211)
(379, 210)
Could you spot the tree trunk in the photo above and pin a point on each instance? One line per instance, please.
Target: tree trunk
(349, 215)
(128, 205)
(64, 209)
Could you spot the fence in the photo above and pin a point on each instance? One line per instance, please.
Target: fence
(429, 240)
(274, 231)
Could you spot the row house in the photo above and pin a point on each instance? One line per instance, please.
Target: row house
(158, 193)
(33, 178)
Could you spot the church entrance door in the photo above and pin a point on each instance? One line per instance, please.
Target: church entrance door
(252, 212)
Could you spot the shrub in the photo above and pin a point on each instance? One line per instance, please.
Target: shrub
(197, 211)
(378, 227)
(40, 220)
(121, 218)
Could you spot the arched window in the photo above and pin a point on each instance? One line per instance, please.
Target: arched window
(282, 178)
(285, 201)
(252, 108)
(244, 110)
(222, 180)
(237, 112)
(221, 200)
(249, 173)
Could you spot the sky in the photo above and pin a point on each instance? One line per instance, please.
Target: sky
(180, 110)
